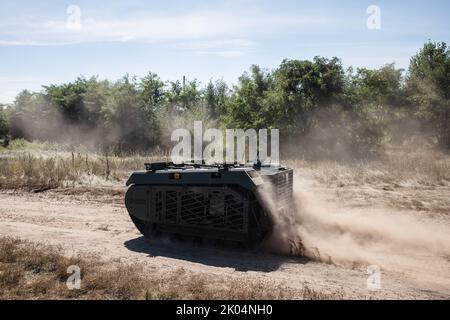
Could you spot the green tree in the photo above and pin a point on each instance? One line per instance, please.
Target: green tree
(93, 100)
(307, 87)
(377, 97)
(215, 95)
(130, 125)
(69, 99)
(183, 97)
(152, 90)
(246, 108)
(308, 102)
(33, 116)
(288, 97)
(383, 86)
(428, 88)
(4, 125)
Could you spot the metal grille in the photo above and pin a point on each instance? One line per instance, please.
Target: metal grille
(206, 207)
(156, 207)
(235, 210)
(171, 206)
(194, 208)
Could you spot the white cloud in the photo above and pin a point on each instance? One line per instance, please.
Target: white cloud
(227, 48)
(32, 43)
(218, 44)
(224, 53)
(218, 33)
(155, 27)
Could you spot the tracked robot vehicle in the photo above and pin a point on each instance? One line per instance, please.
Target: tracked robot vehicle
(222, 202)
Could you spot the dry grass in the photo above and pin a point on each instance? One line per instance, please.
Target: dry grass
(36, 271)
(416, 179)
(42, 170)
(396, 167)
(32, 166)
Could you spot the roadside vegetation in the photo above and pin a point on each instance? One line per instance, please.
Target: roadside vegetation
(404, 178)
(397, 167)
(323, 110)
(43, 166)
(34, 166)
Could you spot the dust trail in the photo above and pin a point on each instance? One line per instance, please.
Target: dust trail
(357, 237)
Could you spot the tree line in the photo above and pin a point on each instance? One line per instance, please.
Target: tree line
(319, 106)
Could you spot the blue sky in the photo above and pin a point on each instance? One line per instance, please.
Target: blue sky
(40, 44)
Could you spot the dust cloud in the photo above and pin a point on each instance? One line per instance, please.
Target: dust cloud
(394, 240)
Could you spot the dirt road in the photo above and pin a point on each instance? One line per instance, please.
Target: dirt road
(98, 223)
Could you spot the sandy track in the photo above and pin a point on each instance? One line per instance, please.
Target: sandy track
(100, 225)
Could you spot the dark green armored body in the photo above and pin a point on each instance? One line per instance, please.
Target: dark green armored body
(219, 202)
